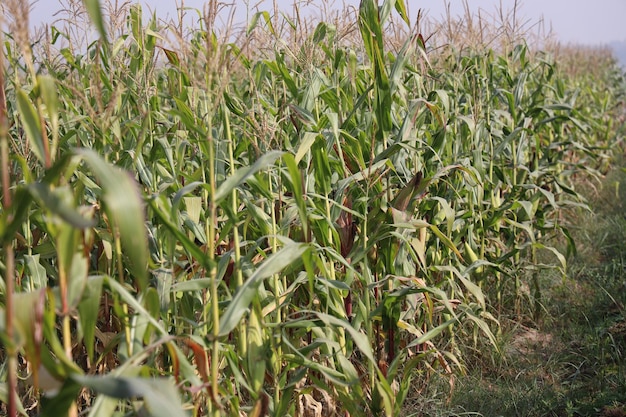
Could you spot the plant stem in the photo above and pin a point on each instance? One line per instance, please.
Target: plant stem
(8, 246)
(278, 318)
(237, 262)
(214, 302)
(120, 275)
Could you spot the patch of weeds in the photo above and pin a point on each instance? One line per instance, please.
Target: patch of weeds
(524, 395)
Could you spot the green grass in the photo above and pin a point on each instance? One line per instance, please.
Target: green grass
(295, 219)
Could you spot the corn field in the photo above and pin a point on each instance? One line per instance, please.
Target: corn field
(295, 221)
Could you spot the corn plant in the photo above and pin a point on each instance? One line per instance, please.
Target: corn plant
(311, 228)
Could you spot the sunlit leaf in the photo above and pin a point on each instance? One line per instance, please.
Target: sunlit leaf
(242, 174)
(32, 126)
(95, 13)
(160, 395)
(124, 206)
(240, 303)
(88, 309)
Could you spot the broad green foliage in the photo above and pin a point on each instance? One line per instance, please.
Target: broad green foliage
(204, 232)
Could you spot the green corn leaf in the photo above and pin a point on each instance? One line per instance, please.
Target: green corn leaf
(305, 145)
(180, 194)
(12, 220)
(77, 277)
(59, 405)
(360, 339)
(555, 252)
(55, 360)
(255, 20)
(95, 14)
(295, 180)
(446, 240)
(400, 6)
(60, 201)
(242, 174)
(88, 310)
(136, 24)
(193, 285)
(122, 201)
(432, 333)
(185, 367)
(32, 126)
(189, 245)
(474, 289)
(25, 319)
(484, 327)
(37, 277)
(302, 360)
(256, 350)
(153, 305)
(134, 303)
(322, 167)
(240, 303)
(48, 91)
(160, 395)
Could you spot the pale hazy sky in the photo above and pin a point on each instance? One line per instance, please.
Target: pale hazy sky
(588, 22)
